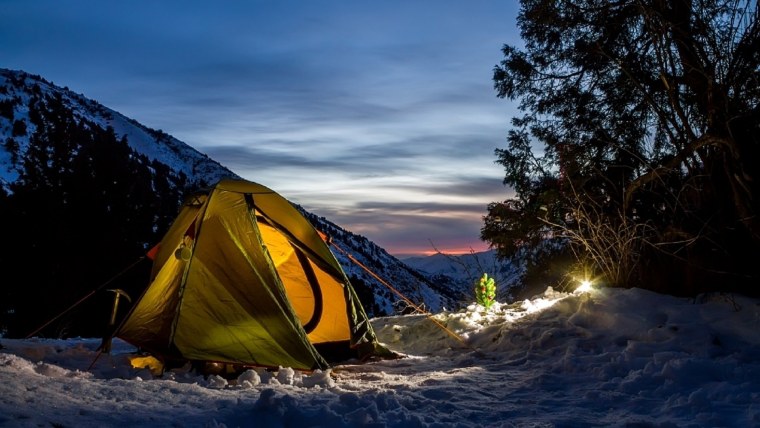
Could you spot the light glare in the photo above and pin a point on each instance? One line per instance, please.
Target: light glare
(584, 287)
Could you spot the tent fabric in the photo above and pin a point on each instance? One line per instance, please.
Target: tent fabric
(243, 277)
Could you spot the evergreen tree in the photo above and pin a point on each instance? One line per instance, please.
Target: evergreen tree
(639, 142)
(84, 208)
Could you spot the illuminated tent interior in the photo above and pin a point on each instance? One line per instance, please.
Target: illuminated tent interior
(242, 277)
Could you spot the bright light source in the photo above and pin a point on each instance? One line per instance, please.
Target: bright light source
(585, 286)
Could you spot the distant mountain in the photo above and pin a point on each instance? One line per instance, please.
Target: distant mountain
(90, 189)
(463, 271)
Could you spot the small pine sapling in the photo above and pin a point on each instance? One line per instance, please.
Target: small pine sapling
(485, 291)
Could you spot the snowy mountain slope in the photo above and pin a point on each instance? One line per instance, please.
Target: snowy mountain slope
(465, 270)
(18, 89)
(367, 259)
(156, 145)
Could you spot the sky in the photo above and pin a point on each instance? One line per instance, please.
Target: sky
(379, 116)
(601, 358)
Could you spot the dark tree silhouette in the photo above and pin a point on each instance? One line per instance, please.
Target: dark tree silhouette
(85, 207)
(639, 142)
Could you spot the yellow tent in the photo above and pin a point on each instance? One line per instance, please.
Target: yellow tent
(242, 277)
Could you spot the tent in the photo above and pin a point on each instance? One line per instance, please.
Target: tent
(242, 277)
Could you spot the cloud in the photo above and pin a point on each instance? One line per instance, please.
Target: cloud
(445, 227)
(381, 114)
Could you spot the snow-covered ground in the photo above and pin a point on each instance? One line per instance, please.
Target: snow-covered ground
(608, 357)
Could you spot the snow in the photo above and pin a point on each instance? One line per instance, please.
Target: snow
(607, 357)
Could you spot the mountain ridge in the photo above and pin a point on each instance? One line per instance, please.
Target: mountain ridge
(386, 285)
